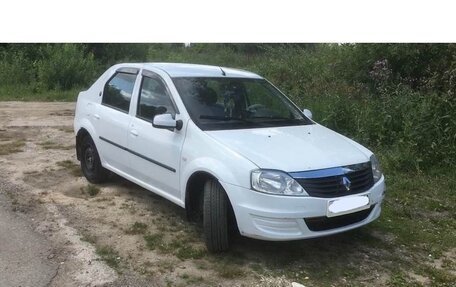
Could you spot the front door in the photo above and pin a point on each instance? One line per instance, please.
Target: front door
(154, 152)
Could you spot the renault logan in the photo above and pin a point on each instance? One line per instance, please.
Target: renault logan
(230, 148)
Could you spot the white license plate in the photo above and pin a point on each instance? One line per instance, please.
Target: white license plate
(347, 205)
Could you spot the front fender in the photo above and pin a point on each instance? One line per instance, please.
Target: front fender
(220, 170)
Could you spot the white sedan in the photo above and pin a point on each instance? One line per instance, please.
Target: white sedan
(230, 148)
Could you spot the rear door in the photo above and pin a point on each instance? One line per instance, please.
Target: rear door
(155, 152)
(113, 118)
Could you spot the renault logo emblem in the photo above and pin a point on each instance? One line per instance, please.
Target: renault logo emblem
(346, 182)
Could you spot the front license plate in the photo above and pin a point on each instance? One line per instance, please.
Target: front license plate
(347, 205)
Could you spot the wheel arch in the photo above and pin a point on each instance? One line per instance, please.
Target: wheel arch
(194, 189)
(83, 131)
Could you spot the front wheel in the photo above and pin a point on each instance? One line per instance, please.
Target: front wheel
(215, 217)
(90, 162)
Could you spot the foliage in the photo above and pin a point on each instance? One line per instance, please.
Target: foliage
(15, 68)
(398, 99)
(65, 66)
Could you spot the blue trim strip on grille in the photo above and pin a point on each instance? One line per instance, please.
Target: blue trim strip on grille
(327, 172)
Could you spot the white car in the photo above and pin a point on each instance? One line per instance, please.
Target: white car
(230, 148)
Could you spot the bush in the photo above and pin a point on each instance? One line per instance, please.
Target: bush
(15, 69)
(65, 66)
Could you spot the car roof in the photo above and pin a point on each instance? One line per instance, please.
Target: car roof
(195, 70)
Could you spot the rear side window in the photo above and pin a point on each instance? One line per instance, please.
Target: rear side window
(154, 99)
(118, 90)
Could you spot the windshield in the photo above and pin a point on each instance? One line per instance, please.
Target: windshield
(236, 103)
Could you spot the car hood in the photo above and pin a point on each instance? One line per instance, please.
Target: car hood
(293, 148)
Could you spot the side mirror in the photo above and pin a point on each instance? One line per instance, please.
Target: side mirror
(307, 113)
(166, 121)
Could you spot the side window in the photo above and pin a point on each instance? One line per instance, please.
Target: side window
(154, 99)
(117, 92)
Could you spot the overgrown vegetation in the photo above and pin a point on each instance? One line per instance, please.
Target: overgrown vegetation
(398, 99)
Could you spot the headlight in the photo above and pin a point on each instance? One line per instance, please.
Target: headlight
(276, 182)
(376, 170)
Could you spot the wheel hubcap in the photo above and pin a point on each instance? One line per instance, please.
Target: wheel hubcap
(89, 160)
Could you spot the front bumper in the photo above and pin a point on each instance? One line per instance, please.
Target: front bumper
(279, 218)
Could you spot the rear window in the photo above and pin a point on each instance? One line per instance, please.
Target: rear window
(118, 90)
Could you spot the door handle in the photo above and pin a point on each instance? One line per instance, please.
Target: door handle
(96, 116)
(134, 133)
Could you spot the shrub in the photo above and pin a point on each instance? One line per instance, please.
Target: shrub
(64, 66)
(15, 69)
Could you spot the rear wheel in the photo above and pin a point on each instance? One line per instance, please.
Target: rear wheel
(215, 217)
(90, 162)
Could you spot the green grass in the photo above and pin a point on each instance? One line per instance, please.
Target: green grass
(73, 168)
(181, 246)
(10, 147)
(137, 228)
(88, 238)
(419, 209)
(67, 130)
(91, 190)
(153, 241)
(52, 145)
(229, 271)
(187, 251)
(109, 255)
(192, 279)
(27, 93)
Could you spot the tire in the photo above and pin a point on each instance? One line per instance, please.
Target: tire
(215, 217)
(90, 162)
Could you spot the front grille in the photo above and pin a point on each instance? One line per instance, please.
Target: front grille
(326, 223)
(330, 182)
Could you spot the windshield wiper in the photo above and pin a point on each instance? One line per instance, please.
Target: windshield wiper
(218, 118)
(271, 118)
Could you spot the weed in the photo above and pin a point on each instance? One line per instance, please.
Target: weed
(180, 247)
(190, 252)
(91, 190)
(52, 145)
(229, 271)
(109, 255)
(73, 168)
(153, 241)
(88, 238)
(166, 265)
(137, 228)
(192, 279)
(66, 130)
(11, 147)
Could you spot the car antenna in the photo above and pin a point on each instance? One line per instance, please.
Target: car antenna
(223, 72)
